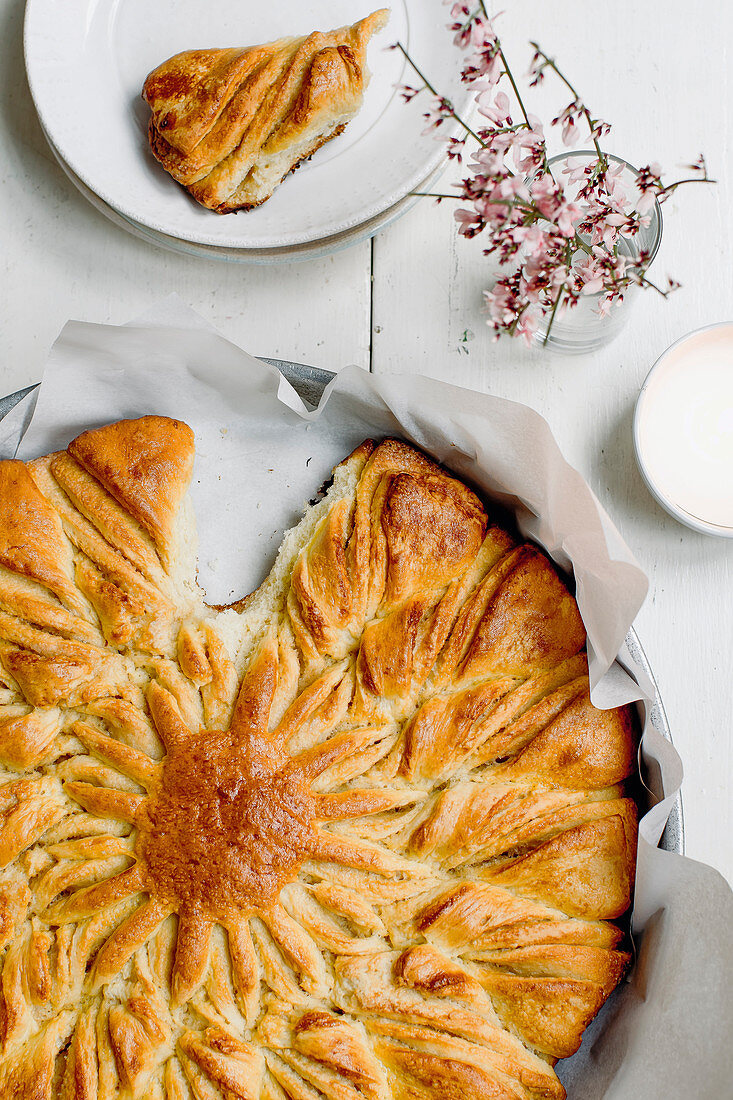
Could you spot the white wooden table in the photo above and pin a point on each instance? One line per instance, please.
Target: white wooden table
(404, 301)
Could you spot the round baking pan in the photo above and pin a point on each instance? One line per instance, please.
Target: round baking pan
(310, 382)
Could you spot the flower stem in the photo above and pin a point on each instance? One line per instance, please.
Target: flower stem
(437, 95)
(643, 281)
(583, 109)
(552, 315)
(678, 183)
(508, 72)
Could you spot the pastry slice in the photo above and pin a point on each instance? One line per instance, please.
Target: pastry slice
(230, 124)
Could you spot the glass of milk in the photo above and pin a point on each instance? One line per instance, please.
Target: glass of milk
(683, 430)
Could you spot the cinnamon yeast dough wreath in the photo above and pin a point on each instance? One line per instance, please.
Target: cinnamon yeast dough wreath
(360, 837)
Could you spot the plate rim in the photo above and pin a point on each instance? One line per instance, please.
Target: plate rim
(314, 250)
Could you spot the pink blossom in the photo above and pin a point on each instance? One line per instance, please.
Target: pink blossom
(529, 323)
(568, 214)
(494, 106)
(570, 132)
(499, 302)
(527, 217)
(544, 193)
(575, 175)
(608, 234)
(535, 241)
(513, 186)
(529, 149)
(436, 115)
(468, 222)
(617, 192)
(645, 202)
(483, 35)
(590, 276)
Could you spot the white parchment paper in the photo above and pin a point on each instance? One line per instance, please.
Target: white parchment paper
(262, 454)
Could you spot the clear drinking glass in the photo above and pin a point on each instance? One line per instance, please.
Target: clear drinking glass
(582, 329)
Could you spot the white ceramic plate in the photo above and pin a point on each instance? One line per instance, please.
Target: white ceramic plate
(87, 60)
(310, 250)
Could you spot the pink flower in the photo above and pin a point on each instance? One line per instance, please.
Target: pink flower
(495, 106)
(513, 186)
(570, 132)
(567, 216)
(483, 35)
(535, 241)
(529, 323)
(590, 276)
(499, 302)
(468, 222)
(617, 193)
(608, 234)
(529, 227)
(436, 115)
(529, 149)
(575, 175)
(645, 202)
(544, 192)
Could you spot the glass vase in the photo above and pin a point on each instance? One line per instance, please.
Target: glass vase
(582, 329)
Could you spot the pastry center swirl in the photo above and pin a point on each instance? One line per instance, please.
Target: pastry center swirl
(227, 827)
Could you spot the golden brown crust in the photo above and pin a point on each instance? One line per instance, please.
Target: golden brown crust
(32, 543)
(374, 852)
(229, 124)
(146, 465)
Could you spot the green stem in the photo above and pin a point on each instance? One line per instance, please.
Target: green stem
(508, 71)
(515, 89)
(526, 208)
(691, 179)
(643, 281)
(552, 315)
(437, 95)
(573, 91)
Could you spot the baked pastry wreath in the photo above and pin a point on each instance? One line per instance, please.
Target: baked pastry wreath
(361, 837)
(230, 124)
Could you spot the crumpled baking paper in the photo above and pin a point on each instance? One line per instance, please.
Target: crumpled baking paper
(262, 454)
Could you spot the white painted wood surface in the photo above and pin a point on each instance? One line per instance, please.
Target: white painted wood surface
(659, 72)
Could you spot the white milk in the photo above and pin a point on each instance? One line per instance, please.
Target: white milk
(685, 425)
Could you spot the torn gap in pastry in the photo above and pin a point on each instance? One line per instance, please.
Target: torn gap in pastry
(59, 1071)
(86, 768)
(322, 492)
